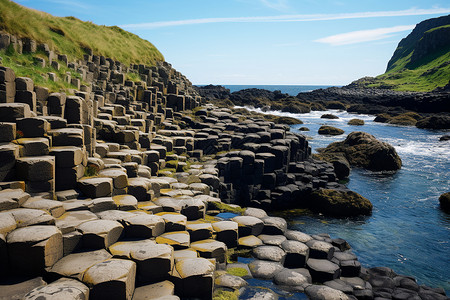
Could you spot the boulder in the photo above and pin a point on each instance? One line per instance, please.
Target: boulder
(444, 201)
(341, 167)
(264, 269)
(364, 150)
(339, 203)
(322, 292)
(272, 253)
(287, 277)
(322, 270)
(330, 130)
(356, 122)
(434, 122)
(329, 116)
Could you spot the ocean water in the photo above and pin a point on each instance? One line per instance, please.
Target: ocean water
(407, 231)
(292, 90)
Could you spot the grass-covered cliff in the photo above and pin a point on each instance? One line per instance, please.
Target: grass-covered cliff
(71, 36)
(421, 61)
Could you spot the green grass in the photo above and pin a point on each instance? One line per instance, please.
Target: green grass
(24, 66)
(71, 36)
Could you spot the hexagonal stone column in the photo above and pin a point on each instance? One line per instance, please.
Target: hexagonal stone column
(143, 226)
(193, 277)
(63, 288)
(297, 254)
(100, 234)
(111, 279)
(322, 270)
(96, 187)
(154, 262)
(249, 225)
(33, 248)
(226, 232)
(211, 249)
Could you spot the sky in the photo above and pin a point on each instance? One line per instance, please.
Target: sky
(252, 42)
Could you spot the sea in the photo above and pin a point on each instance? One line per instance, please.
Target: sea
(407, 231)
(292, 90)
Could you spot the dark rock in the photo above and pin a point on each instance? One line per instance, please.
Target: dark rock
(434, 122)
(329, 116)
(339, 203)
(330, 130)
(445, 138)
(322, 270)
(303, 129)
(364, 150)
(341, 167)
(356, 122)
(444, 201)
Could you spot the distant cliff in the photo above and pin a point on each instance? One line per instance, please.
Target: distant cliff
(421, 61)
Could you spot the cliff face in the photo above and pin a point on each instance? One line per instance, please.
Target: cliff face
(427, 38)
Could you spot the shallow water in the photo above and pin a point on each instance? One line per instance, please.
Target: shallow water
(407, 231)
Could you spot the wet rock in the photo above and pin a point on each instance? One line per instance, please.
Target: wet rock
(434, 122)
(356, 122)
(330, 130)
(297, 254)
(272, 253)
(320, 249)
(329, 116)
(230, 281)
(364, 150)
(287, 277)
(340, 285)
(297, 236)
(264, 269)
(320, 292)
(444, 201)
(339, 203)
(322, 270)
(63, 288)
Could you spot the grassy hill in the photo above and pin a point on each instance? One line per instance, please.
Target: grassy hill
(421, 61)
(71, 36)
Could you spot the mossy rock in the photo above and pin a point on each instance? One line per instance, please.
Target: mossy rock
(335, 105)
(403, 119)
(287, 120)
(382, 118)
(330, 130)
(298, 108)
(364, 150)
(434, 122)
(356, 122)
(303, 129)
(317, 106)
(338, 203)
(444, 201)
(329, 116)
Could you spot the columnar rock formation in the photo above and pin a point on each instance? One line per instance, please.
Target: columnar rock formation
(111, 192)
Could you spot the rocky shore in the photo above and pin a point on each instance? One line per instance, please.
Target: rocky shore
(115, 191)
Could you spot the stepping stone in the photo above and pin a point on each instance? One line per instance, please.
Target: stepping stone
(102, 204)
(67, 156)
(230, 281)
(249, 225)
(76, 264)
(226, 232)
(143, 226)
(193, 209)
(201, 187)
(111, 279)
(199, 231)
(120, 178)
(27, 217)
(100, 234)
(211, 249)
(297, 254)
(69, 221)
(320, 249)
(274, 225)
(272, 253)
(185, 253)
(340, 285)
(161, 290)
(54, 208)
(139, 187)
(350, 268)
(125, 202)
(322, 292)
(249, 242)
(34, 248)
(76, 204)
(177, 239)
(193, 278)
(150, 207)
(12, 198)
(288, 277)
(95, 187)
(322, 270)
(264, 269)
(33, 146)
(35, 168)
(63, 288)
(272, 240)
(154, 261)
(174, 221)
(297, 236)
(123, 249)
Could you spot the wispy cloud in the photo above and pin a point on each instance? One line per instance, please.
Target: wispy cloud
(361, 36)
(280, 5)
(290, 18)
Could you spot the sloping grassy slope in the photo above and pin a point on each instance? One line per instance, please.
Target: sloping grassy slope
(421, 61)
(72, 36)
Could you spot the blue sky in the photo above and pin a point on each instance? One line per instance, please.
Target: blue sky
(329, 42)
